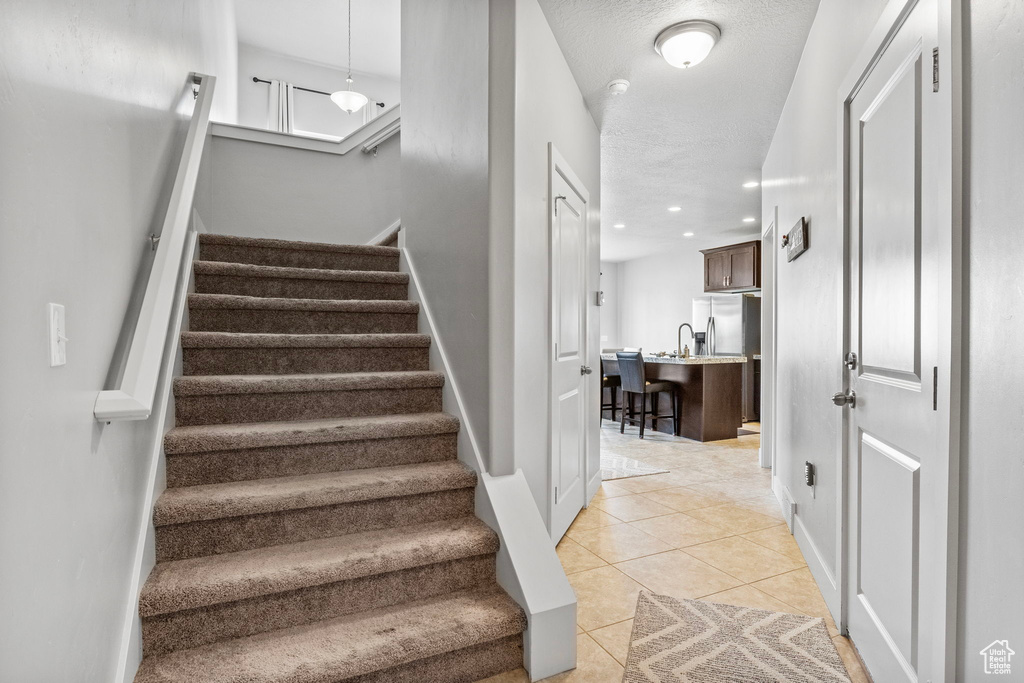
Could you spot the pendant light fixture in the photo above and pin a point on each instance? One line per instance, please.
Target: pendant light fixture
(687, 43)
(349, 100)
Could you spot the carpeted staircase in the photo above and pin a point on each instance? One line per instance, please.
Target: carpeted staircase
(317, 525)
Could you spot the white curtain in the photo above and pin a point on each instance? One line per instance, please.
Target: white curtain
(281, 112)
(370, 111)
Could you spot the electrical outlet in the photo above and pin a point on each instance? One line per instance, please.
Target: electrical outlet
(58, 335)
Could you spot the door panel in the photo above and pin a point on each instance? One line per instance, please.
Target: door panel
(568, 286)
(741, 268)
(893, 305)
(890, 228)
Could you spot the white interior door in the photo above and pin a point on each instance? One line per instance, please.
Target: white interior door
(896, 466)
(569, 369)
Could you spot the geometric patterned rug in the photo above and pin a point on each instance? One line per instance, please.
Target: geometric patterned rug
(621, 467)
(705, 642)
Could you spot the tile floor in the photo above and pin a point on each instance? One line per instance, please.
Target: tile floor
(710, 528)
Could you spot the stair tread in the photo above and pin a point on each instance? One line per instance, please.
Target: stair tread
(260, 496)
(204, 438)
(197, 582)
(249, 270)
(265, 340)
(347, 646)
(206, 385)
(238, 301)
(269, 243)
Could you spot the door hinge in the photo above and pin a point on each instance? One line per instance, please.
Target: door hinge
(935, 388)
(935, 69)
(556, 494)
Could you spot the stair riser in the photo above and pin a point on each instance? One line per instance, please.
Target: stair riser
(299, 322)
(231, 534)
(195, 627)
(284, 461)
(238, 408)
(300, 288)
(460, 666)
(297, 258)
(292, 361)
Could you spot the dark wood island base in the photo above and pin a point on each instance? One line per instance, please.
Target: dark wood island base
(711, 398)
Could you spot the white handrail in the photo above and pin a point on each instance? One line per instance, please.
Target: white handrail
(133, 399)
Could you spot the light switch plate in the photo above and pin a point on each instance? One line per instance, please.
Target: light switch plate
(58, 335)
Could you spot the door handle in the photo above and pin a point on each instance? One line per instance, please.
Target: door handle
(848, 398)
(585, 370)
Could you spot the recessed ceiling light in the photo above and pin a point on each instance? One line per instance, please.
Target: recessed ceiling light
(675, 208)
(687, 43)
(687, 234)
(749, 219)
(620, 226)
(752, 183)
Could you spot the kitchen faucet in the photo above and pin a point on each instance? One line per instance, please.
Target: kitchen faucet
(679, 338)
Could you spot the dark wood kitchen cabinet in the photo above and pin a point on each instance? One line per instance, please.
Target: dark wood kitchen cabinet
(733, 268)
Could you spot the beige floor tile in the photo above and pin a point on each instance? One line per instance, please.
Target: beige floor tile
(592, 517)
(748, 596)
(678, 575)
(517, 676)
(744, 559)
(851, 660)
(619, 542)
(631, 508)
(610, 489)
(778, 539)
(576, 558)
(683, 499)
(679, 530)
(593, 665)
(766, 505)
(798, 589)
(731, 518)
(734, 487)
(650, 482)
(615, 639)
(603, 596)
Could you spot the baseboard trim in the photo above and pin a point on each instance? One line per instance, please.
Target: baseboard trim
(527, 565)
(130, 650)
(823, 576)
(377, 239)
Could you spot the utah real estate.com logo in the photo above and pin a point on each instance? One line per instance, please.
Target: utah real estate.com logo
(997, 657)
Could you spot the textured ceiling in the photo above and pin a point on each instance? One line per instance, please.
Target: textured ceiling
(315, 30)
(687, 138)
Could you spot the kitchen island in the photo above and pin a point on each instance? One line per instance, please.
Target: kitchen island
(711, 393)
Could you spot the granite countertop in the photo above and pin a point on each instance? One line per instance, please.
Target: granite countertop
(757, 356)
(692, 360)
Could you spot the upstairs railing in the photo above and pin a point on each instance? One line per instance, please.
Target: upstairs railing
(134, 396)
(365, 138)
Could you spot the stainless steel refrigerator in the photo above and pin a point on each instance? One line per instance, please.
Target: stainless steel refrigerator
(732, 327)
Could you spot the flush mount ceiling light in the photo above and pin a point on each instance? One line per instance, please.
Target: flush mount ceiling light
(349, 100)
(687, 43)
(687, 234)
(619, 226)
(675, 208)
(752, 183)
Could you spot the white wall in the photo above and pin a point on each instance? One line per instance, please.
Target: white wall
(261, 190)
(656, 294)
(90, 135)
(799, 176)
(992, 505)
(445, 190)
(611, 323)
(549, 108)
(313, 113)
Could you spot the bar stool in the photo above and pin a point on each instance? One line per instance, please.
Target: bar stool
(634, 381)
(612, 381)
